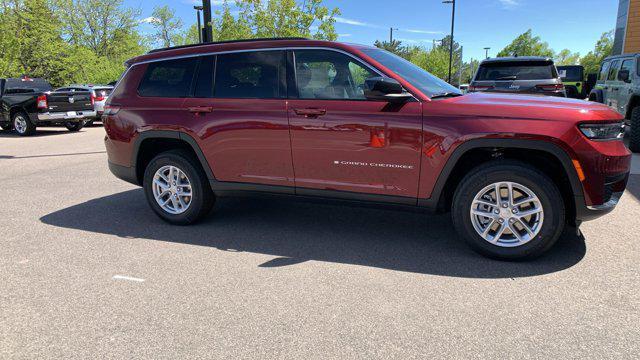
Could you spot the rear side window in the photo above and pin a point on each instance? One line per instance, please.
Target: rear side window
(516, 71)
(170, 79)
(613, 70)
(251, 75)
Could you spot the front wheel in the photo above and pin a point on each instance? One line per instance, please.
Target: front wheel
(74, 126)
(508, 210)
(177, 189)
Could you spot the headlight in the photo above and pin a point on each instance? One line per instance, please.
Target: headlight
(603, 132)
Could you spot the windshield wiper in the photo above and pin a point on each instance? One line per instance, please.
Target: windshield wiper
(445, 95)
(512, 77)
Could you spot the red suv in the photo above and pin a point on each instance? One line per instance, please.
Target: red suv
(325, 119)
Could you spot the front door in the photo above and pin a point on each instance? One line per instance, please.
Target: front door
(243, 122)
(343, 142)
(611, 85)
(624, 87)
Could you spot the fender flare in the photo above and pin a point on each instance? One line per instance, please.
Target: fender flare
(540, 145)
(170, 134)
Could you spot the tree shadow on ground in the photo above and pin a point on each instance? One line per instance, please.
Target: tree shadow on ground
(297, 231)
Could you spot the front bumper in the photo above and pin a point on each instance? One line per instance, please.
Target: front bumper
(125, 173)
(67, 116)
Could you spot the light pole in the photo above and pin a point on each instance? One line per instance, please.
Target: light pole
(486, 52)
(198, 9)
(391, 34)
(207, 31)
(453, 21)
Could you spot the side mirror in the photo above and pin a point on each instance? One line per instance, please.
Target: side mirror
(385, 89)
(623, 75)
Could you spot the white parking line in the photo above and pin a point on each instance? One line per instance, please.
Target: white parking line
(128, 278)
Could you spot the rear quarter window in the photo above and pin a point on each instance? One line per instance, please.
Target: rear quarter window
(170, 79)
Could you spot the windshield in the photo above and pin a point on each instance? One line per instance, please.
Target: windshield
(516, 71)
(430, 85)
(570, 73)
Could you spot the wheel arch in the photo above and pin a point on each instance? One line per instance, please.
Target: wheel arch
(633, 102)
(152, 142)
(465, 157)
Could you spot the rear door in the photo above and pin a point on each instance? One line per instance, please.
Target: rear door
(242, 120)
(343, 142)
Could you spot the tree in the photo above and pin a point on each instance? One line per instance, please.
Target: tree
(527, 45)
(603, 48)
(275, 18)
(167, 26)
(394, 46)
(95, 24)
(566, 57)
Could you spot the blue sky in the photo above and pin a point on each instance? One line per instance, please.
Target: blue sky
(572, 24)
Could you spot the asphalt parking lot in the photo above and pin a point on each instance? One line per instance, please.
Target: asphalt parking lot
(88, 271)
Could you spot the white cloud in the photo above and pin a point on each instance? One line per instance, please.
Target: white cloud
(414, 31)
(353, 22)
(509, 3)
(149, 20)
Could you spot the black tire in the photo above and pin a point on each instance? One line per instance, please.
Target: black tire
(517, 172)
(634, 134)
(572, 92)
(89, 123)
(28, 129)
(74, 126)
(203, 198)
(596, 96)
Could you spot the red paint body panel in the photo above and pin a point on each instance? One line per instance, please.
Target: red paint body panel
(349, 144)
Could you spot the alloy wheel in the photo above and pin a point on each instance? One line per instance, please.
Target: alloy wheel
(172, 190)
(507, 214)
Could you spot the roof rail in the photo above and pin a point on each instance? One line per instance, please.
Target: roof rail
(225, 42)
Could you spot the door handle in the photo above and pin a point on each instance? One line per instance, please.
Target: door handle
(310, 113)
(615, 89)
(200, 109)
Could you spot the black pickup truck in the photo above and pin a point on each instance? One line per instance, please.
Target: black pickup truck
(26, 103)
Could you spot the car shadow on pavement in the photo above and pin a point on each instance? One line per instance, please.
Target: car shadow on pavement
(297, 231)
(40, 132)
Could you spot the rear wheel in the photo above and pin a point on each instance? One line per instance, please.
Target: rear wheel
(74, 126)
(508, 210)
(22, 125)
(177, 189)
(634, 134)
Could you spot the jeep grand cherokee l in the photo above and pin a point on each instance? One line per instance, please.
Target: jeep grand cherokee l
(523, 75)
(325, 119)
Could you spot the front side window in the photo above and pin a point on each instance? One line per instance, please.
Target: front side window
(170, 79)
(604, 71)
(429, 84)
(628, 66)
(329, 75)
(251, 75)
(613, 70)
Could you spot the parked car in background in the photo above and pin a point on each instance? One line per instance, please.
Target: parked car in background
(27, 102)
(100, 94)
(618, 86)
(333, 120)
(521, 75)
(573, 79)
